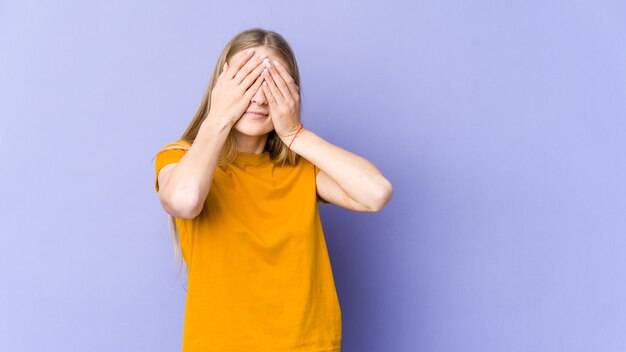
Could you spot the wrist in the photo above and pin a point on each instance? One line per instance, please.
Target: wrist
(216, 124)
(289, 138)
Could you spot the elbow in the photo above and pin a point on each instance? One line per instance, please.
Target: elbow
(183, 204)
(383, 196)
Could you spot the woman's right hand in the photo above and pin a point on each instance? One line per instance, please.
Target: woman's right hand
(235, 87)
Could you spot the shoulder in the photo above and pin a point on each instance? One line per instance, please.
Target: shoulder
(173, 148)
(168, 154)
(305, 168)
(305, 163)
(312, 170)
(178, 144)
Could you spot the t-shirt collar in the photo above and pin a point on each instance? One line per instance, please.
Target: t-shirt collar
(252, 159)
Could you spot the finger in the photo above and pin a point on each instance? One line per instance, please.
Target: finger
(289, 81)
(252, 90)
(222, 73)
(253, 75)
(238, 61)
(280, 83)
(271, 84)
(250, 66)
(268, 95)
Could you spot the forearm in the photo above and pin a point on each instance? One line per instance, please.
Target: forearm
(359, 178)
(191, 179)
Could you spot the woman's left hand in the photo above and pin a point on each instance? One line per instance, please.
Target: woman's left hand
(283, 98)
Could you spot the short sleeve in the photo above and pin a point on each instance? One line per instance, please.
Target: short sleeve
(317, 171)
(168, 156)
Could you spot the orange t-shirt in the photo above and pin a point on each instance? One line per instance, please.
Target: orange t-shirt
(260, 278)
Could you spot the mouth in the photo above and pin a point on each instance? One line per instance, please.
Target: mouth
(256, 115)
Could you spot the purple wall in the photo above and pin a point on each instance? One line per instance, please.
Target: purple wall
(501, 125)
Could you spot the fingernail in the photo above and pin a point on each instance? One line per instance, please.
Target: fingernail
(265, 71)
(276, 63)
(250, 50)
(266, 61)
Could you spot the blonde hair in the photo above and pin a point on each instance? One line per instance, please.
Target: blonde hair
(279, 152)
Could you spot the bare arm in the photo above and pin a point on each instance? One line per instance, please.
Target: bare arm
(345, 179)
(187, 183)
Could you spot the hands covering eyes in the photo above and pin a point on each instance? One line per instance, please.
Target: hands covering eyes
(235, 86)
(239, 81)
(283, 98)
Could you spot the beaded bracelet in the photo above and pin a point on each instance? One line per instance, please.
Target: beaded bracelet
(294, 136)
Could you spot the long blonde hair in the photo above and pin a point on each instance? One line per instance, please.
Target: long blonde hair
(279, 152)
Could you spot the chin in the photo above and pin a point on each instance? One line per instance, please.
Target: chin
(253, 128)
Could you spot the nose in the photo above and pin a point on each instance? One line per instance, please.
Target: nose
(259, 97)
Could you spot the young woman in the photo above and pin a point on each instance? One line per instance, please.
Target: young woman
(242, 187)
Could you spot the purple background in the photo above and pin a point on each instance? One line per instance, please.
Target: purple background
(500, 124)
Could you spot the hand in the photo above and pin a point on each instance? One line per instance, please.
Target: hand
(235, 86)
(284, 101)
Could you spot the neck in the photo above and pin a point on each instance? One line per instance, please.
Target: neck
(250, 144)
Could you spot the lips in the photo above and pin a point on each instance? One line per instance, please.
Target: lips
(257, 113)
